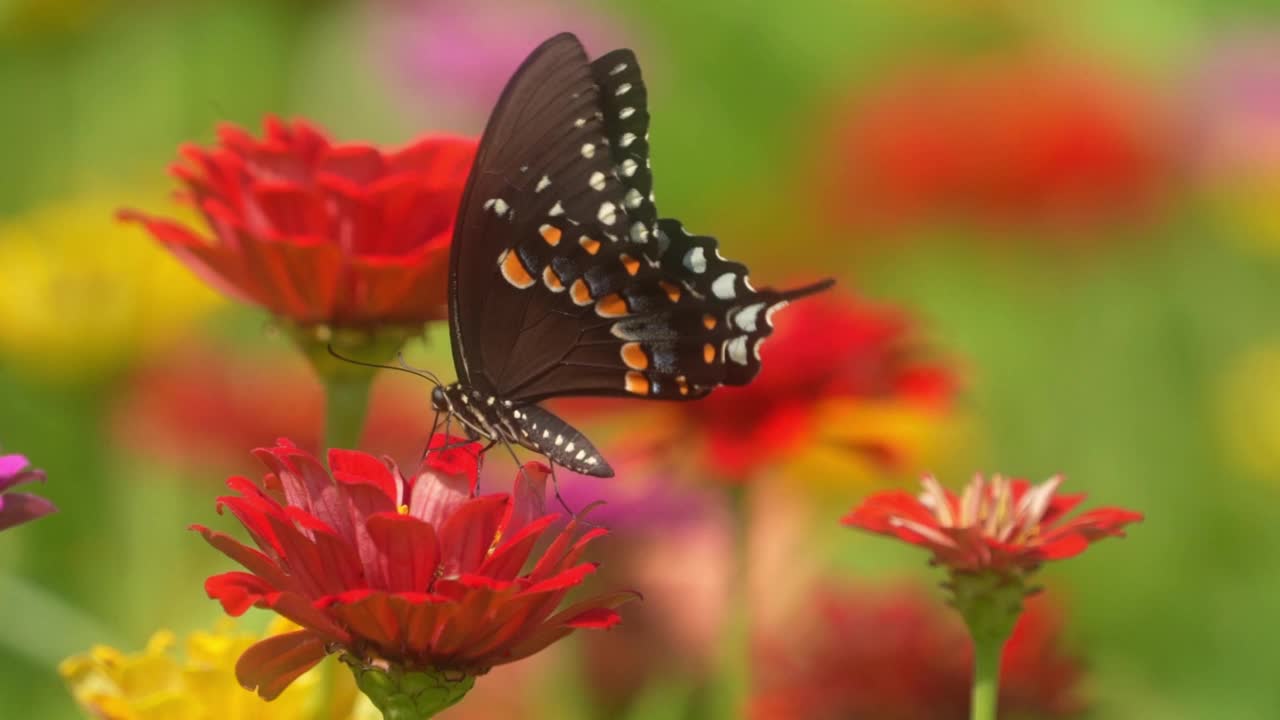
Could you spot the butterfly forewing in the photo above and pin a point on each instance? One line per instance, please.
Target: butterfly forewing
(564, 281)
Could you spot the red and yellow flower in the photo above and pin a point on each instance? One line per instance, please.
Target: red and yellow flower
(409, 577)
(844, 390)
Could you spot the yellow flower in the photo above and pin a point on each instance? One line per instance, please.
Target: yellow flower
(900, 441)
(201, 685)
(83, 295)
(46, 16)
(1249, 411)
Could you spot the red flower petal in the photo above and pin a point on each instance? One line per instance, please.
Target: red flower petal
(270, 665)
(407, 551)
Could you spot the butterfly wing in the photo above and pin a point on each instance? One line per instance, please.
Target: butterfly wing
(564, 282)
(527, 138)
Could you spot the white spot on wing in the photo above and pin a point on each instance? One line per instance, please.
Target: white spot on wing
(542, 184)
(723, 288)
(737, 349)
(596, 181)
(581, 454)
(556, 209)
(639, 233)
(579, 122)
(629, 167)
(695, 260)
(618, 68)
(627, 139)
(626, 112)
(568, 448)
(634, 198)
(623, 89)
(608, 213)
(588, 150)
(746, 318)
(500, 207)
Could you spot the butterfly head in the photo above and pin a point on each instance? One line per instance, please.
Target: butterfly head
(439, 400)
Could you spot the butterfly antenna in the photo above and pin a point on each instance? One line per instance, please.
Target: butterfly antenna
(421, 372)
(425, 375)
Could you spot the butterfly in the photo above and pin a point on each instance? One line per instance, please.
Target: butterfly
(563, 280)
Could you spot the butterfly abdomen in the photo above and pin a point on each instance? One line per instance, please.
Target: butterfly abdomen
(561, 443)
(526, 425)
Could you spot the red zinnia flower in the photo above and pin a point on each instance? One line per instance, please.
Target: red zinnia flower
(895, 655)
(1021, 142)
(1005, 526)
(841, 381)
(417, 573)
(317, 232)
(201, 406)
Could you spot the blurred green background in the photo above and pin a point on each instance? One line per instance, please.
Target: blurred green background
(1099, 256)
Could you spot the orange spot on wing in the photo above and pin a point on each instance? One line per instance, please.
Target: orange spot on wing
(612, 306)
(514, 271)
(552, 280)
(673, 291)
(591, 246)
(683, 383)
(580, 292)
(631, 264)
(709, 322)
(708, 353)
(551, 234)
(637, 383)
(634, 356)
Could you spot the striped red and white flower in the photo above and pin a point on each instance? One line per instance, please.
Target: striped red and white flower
(1004, 525)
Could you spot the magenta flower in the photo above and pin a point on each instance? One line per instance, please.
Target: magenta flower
(17, 508)
(466, 51)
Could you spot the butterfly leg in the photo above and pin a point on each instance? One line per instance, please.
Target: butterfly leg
(435, 424)
(515, 458)
(555, 486)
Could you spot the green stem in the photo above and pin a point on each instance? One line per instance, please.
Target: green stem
(342, 358)
(346, 404)
(990, 603)
(986, 679)
(735, 665)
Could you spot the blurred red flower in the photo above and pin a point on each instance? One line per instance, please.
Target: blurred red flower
(203, 404)
(417, 572)
(1006, 526)
(895, 655)
(319, 232)
(1008, 142)
(840, 377)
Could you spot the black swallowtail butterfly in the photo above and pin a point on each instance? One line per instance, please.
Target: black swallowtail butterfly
(564, 281)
